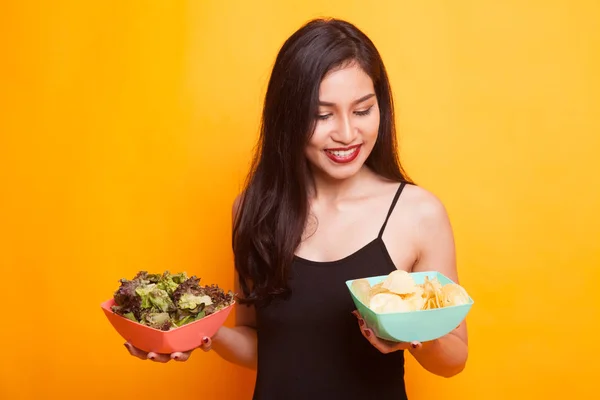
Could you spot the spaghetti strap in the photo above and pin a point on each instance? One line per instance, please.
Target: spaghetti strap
(396, 197)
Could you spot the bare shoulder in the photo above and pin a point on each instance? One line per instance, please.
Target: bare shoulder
(424, 206)
(430, 230)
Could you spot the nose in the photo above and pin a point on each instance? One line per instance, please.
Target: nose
(345, 132)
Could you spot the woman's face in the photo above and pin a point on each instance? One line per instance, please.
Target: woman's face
(347, 123)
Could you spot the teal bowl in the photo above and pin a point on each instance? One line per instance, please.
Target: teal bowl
(421, 326)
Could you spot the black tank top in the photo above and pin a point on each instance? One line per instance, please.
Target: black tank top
(310, 346)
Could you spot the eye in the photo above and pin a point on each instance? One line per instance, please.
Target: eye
(323, 117)
(364, 112)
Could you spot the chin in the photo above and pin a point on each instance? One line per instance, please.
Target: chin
(328, 169)
(341, 172)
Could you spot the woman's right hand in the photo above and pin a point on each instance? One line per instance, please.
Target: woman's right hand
(163, 358)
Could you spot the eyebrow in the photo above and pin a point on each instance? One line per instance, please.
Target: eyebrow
(364, 98)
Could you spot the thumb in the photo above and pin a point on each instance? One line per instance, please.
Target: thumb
(181, 356)
(206, 344)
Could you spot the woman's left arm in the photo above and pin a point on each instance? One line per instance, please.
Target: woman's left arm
(446, 356)
(434, 241)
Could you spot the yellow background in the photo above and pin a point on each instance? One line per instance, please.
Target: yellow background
(126, 129)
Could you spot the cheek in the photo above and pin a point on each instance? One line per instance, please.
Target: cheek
(318, 140)
(313, 147)
(370, 129)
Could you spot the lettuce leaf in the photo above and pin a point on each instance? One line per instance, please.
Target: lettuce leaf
(166, 301)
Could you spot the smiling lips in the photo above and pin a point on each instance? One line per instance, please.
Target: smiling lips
(343, 155)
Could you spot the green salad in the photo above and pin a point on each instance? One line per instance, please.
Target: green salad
(166, 301)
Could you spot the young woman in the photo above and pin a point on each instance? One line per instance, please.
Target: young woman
(326, 201)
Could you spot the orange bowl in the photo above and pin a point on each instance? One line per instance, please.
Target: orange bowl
(183, 338)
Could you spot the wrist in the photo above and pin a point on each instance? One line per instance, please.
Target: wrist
(218, 336)
(427, 347)
(431, 344)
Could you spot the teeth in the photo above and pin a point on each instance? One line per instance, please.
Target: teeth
(342, 153)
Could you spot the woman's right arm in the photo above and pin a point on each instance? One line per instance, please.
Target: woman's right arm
(237, 344)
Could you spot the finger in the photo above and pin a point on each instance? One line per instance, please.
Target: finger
(386, 346)
(161, 358)
(395, 346)
(366, 332)
(416, 345)
(361, 322)
(134, 351)
(180, 356)
(206, 344)
(356, 314)
(382, 345)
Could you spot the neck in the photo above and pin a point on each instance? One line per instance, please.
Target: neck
(329, 189)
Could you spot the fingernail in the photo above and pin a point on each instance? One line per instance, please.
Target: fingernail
(361, 322)
(368, 333)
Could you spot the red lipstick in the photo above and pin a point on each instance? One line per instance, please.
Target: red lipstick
(343, 155)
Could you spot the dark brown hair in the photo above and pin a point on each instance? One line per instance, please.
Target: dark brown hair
(274, 204)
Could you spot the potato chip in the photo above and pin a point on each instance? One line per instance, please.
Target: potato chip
(416, 300)
(432, 294)
(361, 289)
(400, 282)
(435, 283)
(419, 292)
(399, 293)
(389, 303)
(454, 295)
(378, 288)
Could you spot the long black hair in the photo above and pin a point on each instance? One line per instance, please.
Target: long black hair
(274, 204)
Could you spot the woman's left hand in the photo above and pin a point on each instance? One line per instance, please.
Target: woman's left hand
(382, 345)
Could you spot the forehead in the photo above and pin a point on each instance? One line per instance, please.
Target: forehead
(344, 85)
